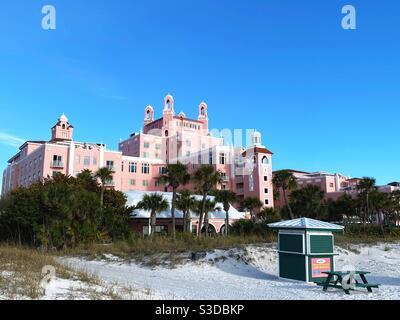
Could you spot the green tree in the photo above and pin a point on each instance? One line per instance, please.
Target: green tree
(379, 204)
(155, 203)
(343, 208)
(87, 180)
(185, 202)
(205, 180)
(308, 202)
(252, 204)
(104, 175)
(285, 181)
(62, 212)
(364, 187)
(116, 215)
(226, 197)
(176, 175)
(270, 215)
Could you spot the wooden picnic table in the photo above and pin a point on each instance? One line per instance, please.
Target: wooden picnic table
(331, 282)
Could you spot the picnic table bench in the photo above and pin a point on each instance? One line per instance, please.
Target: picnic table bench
(331, 282)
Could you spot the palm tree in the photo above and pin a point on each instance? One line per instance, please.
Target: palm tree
(395, 205)
(205, 180)
(185, 202)
(105, 175)
(87, 180)
(251, 204)
(365, 186)
(155, 203)
(380, 204)
(225, 197)
(285, 180)
(175, 176)
(205, 208)
(309, 202)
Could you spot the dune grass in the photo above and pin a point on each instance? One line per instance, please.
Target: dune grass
(21, 273)
(140, 247)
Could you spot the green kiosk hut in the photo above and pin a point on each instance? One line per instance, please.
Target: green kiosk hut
(305, 248)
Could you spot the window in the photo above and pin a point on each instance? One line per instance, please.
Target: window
(158, 146)
(145, 154)
(86, 161)
(145, 168)
(145, 183)
(157, 183)
(158, 156)
(187, 153)
(57, 161)
(222, 158)
(132, 182)
(266, 191)
(132, 167)
(162, 170)
(160, 229)
(265, 178)
(95, 161)
(266, 202)
(146, 144)
(110, 165)
(331, 185)
(265, 161)
(210, 157)
(78, 159)
(188, 143)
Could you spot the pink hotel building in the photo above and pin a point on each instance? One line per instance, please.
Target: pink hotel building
(144, 155)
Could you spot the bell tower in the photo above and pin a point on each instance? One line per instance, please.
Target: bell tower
(62, 130)
(203, 117)
(148, 115)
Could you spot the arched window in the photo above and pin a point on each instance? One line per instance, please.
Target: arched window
(168, 105)
(63, 126)
(265, 161)
(203, 111)
(166, 133)
(148, 115)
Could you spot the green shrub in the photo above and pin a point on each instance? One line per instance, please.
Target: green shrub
(249, 227)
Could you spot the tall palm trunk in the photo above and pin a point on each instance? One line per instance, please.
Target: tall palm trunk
(227, 223)
(153, 223)
(206, 224)
(203, 209)
(186, 221)
(287, 204)
(173, 214)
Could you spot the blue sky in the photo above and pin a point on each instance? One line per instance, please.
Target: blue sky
(324, 98)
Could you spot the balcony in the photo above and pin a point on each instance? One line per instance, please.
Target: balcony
(56, 164)
(239, 190)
